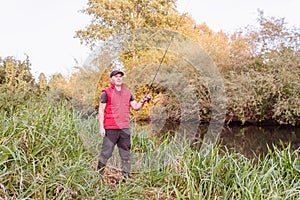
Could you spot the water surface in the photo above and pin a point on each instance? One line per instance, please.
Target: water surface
(251, 141)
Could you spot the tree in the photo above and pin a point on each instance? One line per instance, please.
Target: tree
(42, 83)
(15, 73)
(117, 17)
(17, 83)
(57, 87)
(264, 84)
(216, 44)
(110, 18)
(57, 81)
(274, 35)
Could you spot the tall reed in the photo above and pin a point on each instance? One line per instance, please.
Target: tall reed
(45, 155)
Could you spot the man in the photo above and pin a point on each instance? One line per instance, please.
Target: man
(114, 121)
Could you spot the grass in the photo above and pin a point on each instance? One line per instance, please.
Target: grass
(49, 152)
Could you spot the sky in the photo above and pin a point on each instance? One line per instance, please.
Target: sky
(44, 29)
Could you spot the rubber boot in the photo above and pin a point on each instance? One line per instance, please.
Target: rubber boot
(126, 167)
(100, 169)
(126, 175)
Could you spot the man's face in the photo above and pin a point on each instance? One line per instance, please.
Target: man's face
(116, 79)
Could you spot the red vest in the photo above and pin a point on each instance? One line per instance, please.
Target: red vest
(117, 110)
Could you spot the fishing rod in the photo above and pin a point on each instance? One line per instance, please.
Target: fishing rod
(159, 66)
(165, 53)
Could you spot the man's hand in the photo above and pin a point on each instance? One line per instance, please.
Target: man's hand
(138, 105)
(146, 98)
(102, 132)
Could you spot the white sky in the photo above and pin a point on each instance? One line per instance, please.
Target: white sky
(44, 29)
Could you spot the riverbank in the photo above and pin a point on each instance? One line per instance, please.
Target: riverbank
(48, 151)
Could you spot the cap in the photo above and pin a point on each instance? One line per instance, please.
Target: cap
(115, 72)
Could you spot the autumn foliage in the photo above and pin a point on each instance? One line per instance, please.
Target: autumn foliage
(259, 66)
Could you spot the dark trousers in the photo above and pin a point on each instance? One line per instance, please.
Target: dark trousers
(121, 138)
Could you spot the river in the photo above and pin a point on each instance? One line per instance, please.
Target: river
(251, 141)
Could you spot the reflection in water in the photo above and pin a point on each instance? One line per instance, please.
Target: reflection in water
(251, 141)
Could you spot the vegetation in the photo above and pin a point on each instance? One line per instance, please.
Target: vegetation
(115, 17)
(45, 154)
(49, 141)
(259, 65)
